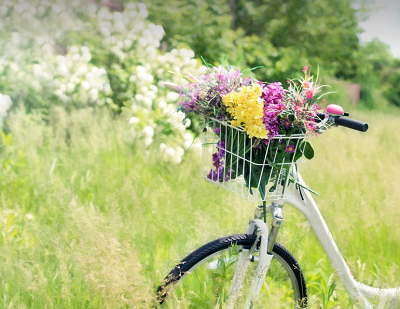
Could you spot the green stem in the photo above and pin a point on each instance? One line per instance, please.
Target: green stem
(265, 211)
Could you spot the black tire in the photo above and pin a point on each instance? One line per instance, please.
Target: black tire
(196, 282)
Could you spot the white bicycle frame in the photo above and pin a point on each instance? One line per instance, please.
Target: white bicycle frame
(302, 200)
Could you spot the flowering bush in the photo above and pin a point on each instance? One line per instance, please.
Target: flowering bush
(272, 123)
(80, 53)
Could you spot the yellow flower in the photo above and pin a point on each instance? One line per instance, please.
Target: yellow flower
(246, 109)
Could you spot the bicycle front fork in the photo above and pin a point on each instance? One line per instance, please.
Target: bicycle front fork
(276, 222)
(268, 239)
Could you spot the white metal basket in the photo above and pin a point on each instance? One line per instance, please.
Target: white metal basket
(255, 172)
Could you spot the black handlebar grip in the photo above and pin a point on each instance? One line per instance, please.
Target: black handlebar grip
(351, 124)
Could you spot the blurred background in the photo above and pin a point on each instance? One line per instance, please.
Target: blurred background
(99, 188)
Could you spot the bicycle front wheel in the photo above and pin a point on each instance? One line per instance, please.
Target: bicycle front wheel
(203, 279)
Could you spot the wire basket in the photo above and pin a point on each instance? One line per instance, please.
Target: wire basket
(253, 169)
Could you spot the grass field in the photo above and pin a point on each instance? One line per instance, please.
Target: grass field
(89, 221)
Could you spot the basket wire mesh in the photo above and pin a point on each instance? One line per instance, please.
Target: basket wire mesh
(256, 172)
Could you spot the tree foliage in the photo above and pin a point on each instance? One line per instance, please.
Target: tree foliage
(281, 36)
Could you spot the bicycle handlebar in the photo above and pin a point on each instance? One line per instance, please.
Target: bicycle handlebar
(344, 122)
(351, 123)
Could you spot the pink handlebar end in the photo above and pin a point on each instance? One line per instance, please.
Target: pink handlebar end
(335, 109)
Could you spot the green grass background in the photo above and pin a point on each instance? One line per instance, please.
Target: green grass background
(88, 220)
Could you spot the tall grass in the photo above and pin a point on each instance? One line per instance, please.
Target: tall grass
(88, 220)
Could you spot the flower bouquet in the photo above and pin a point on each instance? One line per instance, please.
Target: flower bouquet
(256, 131)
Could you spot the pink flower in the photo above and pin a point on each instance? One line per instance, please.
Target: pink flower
(309, 94)
(306, 85)
(305, 69)
(310, 125)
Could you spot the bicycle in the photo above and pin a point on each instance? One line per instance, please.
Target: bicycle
(251, 270)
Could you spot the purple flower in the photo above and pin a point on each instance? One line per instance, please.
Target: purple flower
(217, 174)
(290, 148)
(204, 97)
(273, 96)
(217, 130)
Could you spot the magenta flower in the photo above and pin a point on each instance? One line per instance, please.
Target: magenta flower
(290, 148)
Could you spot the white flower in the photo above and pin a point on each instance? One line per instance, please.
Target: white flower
(85, 85)
(29, 216)
(92, 8)
(90, 77)
(172, 96)
(177, 160)
(103, 13)
(119, 26)
(86, 53)
(93, 94)
(139, 97)
(15, 38)
(148, 102)
(169, 153)
(56, 8)
(143, 42)
(106, 88)
(151, 51)
(19, 8)
(187, 123)
(187, 144)
(130, 7)
(73, 50)
(138, 27)
(3, 10)
(36, 85)
(5, 101)
(162, 104)
(143, 10)
(147, 141)
(60, 59)
(105, 31)
(82, 70)
(37, 70)
(148, 78)
(181, 127)
(70, 87)
(151, 95)
(75, 57)
(127, 43)
(188, 136)
(180, 151)
(197, 148)
(134, 120)
(41, 10)
(148, 131)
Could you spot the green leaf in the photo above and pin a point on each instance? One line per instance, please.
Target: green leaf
(167, 130)
(308, 151)
(297, 155)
